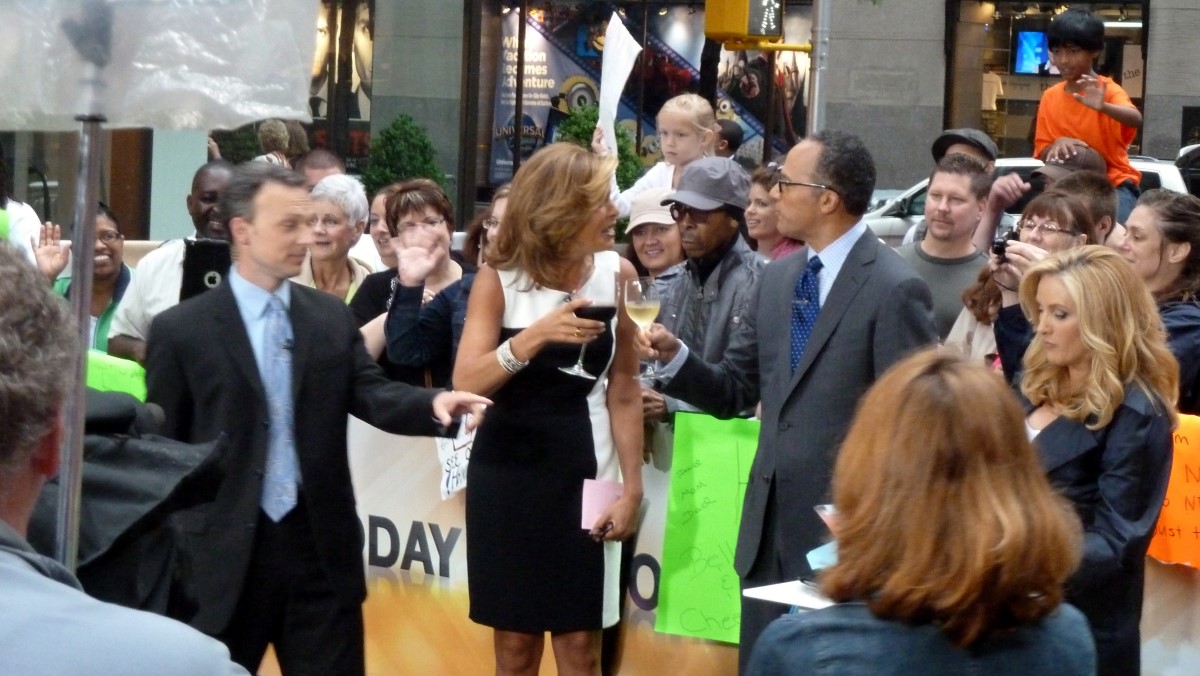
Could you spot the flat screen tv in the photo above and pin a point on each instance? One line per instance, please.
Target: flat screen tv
(1031, 54)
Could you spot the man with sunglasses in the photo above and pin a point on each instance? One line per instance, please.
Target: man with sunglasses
(704, 306)
(821, 326)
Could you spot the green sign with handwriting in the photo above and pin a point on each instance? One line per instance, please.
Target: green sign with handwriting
(698, 592)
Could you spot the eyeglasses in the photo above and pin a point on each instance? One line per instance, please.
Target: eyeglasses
(490, 222)
(427, 223)
(1047, 228)
(678, 211)
(778, 179)
(109, 236)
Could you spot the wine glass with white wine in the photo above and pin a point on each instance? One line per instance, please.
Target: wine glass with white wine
(642, 303)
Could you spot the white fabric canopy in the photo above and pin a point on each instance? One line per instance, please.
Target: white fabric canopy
(174, 64)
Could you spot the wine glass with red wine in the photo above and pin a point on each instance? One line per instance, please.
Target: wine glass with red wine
(602, 290)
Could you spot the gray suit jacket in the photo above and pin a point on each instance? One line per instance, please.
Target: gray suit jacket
(878, 311)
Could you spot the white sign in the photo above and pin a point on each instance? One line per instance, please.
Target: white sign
(620, 53)
(455, 455)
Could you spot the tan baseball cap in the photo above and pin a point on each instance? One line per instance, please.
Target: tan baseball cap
(647, 207)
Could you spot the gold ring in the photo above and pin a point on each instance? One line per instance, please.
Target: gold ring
(577, 333)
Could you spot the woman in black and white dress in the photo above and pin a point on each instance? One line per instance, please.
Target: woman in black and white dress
(531, 567)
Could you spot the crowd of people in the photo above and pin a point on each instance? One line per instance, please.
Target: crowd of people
(989, 408)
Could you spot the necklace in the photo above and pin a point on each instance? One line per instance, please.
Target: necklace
(583, 279)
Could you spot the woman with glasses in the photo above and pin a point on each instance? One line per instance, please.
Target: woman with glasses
(1162, 243)
(110, 275)
(1051, 222)
(424, 335)
(340, 204)
(1100, 385)
(420, 223)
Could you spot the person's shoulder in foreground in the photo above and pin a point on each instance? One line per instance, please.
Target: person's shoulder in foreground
(848, 639)
(47, 627)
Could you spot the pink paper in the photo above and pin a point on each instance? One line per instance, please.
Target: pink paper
(598, 494)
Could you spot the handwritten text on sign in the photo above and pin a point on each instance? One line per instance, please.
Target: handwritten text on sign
(699, 594)
(1177, 536)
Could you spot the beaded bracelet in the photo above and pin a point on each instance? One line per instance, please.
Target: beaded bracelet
(508, 361)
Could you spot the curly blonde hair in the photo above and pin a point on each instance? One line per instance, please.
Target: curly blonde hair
(1120, 328)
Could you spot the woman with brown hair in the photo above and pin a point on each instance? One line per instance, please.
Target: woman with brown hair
(531, 568)
(1162, 243)
(1100, 384)
(420, 223)
(762, 218)
(426, 334)
(972, 334)
(1050, 223)
(952, 547)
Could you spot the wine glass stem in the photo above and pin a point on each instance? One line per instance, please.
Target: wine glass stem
(648, 372)
(579, 362)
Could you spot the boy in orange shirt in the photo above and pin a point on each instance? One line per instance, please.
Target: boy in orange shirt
(1086, 109)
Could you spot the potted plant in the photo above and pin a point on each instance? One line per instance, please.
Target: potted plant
(400, 152)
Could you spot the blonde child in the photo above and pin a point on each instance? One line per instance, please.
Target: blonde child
(687, 130)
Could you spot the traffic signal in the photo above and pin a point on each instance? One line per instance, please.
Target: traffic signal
(753, 20)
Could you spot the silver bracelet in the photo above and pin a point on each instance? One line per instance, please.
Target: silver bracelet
(508, 361)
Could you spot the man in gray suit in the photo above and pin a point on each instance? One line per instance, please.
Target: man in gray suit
(854, 308)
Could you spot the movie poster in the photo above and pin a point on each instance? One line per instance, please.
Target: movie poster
(564, 48)
(324, 70)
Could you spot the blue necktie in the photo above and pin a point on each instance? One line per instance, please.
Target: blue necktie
(806, 303)
(282, 473)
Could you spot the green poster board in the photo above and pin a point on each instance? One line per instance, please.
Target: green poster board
(699, 594)
(113, 374)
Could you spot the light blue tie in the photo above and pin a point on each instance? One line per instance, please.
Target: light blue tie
(282, 473)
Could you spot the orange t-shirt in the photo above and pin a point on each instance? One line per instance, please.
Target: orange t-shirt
(1061, 115)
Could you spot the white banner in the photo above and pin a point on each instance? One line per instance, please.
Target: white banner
(417, 606)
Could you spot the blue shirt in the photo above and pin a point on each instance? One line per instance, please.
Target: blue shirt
(252, 302)
(833, 257)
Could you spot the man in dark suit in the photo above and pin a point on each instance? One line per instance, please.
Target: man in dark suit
(277, 368)
(855, 308)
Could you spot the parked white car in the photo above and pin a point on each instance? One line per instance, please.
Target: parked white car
(892, 220)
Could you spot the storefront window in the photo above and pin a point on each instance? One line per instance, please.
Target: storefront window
(1002, 65)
